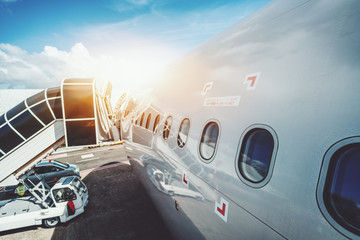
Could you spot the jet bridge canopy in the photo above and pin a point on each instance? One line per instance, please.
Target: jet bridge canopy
(77, 113)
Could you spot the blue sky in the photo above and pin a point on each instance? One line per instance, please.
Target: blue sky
(40, 34)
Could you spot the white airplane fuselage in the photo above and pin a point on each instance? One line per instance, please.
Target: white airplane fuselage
(285, 82)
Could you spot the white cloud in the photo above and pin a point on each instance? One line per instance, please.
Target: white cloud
(127, 53)
(38, 70)
(127, 68)
(180, 30)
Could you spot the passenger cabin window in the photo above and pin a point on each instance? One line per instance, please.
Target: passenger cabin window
(167, 128)
(156, 123)
(208, 141)
(148, 121)
(183, 132)
(342, 192)
(256, 152)
(142, 119)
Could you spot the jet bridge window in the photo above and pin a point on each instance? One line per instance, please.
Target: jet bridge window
(148, 121)
(167, 128)
(35, 98)
(183, 132)
(26, 124)
(53, 92)
(75, 98)
(2, 119)
(257, 153)
(15, 110)
(156, 123)
(209, 138)
(142, 119)
(341, 193)
(43, 113)
(56, 106)
(8, 139)
(83, 132)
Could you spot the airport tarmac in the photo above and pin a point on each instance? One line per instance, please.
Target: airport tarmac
(119, 207)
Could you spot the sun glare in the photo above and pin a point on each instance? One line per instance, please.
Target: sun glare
(134, 68)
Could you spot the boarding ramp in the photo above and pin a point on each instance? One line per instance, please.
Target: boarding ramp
(29, 129)
(75, 114)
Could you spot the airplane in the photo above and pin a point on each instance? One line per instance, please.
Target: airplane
(255, 134)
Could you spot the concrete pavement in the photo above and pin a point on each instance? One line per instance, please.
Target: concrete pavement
(119, 207)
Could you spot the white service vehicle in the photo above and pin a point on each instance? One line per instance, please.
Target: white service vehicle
(64, 201)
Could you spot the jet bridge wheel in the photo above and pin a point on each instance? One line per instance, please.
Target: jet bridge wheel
(51, 222)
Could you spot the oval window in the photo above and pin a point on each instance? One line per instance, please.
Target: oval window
(208, 140)
(142, 119)
(341, 192)
(148, 121)
(255, 155)
(156, 123)
(183, 132)
(167, 127)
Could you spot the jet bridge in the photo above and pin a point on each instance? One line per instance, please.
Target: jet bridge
(78, 113)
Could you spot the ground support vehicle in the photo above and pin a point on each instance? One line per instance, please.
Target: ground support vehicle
(49, 206)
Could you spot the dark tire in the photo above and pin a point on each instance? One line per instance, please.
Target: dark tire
(51, 222)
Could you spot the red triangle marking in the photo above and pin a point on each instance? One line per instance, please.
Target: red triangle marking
(222, 211)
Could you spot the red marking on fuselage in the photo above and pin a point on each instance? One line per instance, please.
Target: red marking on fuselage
(185, 181)
(206, 88)
(252, 79)
(222, 210)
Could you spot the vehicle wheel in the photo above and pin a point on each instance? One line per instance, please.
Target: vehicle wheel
(51, 222)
